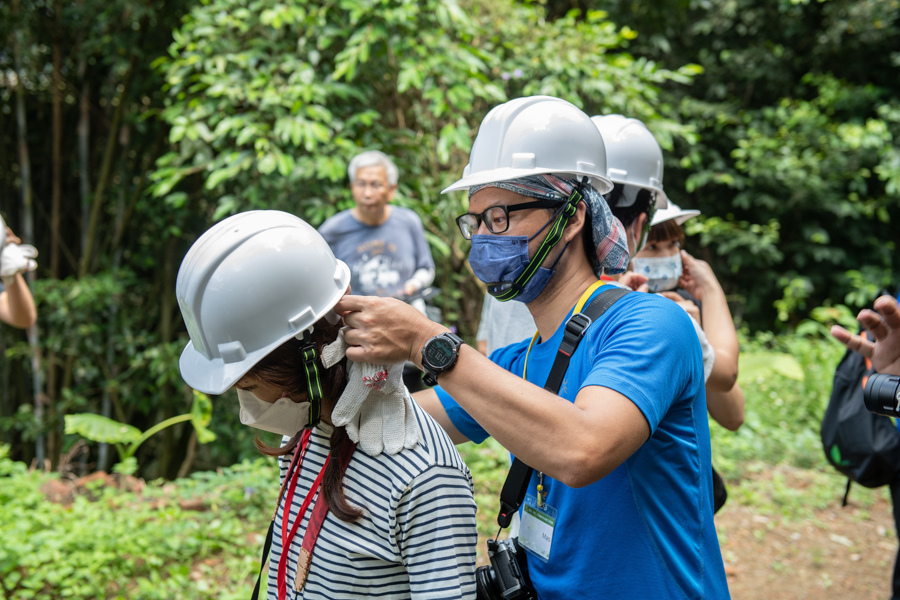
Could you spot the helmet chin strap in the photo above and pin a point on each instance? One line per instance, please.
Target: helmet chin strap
(639, 243)
(309, 355)
(504, 291)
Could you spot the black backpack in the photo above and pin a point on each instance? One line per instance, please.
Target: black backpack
(863, 446)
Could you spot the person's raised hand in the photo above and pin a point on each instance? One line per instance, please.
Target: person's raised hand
(17, 258)
(697, 276)
(634, 281)
(884, 324)
(12, 238)
(410, 288)
(385, 330)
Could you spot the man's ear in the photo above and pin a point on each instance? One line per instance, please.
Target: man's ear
(578, 222)
(639, 223)
(636, 233)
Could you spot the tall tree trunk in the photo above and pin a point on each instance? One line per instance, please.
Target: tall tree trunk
(56, 191)
(84, 186)
(111, 364)
(28, 234)
(84, 152)
(143, 166)
(103, 178)
(105, 169)
(170, 448)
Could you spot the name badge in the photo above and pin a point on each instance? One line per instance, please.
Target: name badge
(536, 530)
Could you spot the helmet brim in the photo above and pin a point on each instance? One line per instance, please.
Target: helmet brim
(213, 376)
(679, 216)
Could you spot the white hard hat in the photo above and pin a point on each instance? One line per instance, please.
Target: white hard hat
(673, 212)
(633, 156)
(245, 287)
(534, 135)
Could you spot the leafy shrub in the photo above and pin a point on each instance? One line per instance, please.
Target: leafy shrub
(128, 545)
(786, 389)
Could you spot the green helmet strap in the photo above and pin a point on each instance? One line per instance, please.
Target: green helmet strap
(552, 239)
(310, 355)
(645, 230)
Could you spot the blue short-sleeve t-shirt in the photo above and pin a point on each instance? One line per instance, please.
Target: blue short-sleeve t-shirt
(645, 530)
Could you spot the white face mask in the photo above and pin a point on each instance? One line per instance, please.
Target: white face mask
(283, 416)
(662, 273)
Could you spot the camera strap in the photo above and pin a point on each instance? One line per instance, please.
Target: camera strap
(519, 476)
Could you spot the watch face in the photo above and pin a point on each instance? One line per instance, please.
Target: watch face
(439, 352)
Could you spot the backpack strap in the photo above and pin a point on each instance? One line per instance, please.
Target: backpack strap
(519, 476)
(846, 492)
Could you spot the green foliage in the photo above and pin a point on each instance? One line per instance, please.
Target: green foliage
(100, 331)
(128, 439)
(786, 382)
(100, 429)
(142, 546)
(107, 339)
(489, 464)
(794, 495)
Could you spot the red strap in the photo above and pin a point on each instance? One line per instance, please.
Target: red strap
(316, 519)
(321, 508)
(286, 512)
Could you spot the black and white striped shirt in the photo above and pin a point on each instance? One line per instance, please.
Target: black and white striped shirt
(416, 539)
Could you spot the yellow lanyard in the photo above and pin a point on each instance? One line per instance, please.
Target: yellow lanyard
(581, 301)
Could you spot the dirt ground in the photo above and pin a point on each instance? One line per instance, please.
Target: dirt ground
(844, 553)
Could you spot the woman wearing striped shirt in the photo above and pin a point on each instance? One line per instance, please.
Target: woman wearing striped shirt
(391, 517)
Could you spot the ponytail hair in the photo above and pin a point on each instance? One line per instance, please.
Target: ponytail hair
(283, 367)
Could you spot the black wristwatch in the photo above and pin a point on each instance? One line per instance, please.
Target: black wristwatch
(439, 354)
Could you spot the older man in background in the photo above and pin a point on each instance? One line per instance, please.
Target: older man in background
(384, 245)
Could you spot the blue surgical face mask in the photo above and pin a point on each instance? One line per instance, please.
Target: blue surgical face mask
(498, 260)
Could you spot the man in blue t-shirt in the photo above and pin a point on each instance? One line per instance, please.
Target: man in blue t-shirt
(383, 245)
(620, 501)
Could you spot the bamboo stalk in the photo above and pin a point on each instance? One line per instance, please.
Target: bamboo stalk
(28, 232)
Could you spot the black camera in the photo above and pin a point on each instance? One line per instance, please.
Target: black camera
(882, 394)
(505, 578)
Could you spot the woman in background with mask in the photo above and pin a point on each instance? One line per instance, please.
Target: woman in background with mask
(674, 273)
(375, 500)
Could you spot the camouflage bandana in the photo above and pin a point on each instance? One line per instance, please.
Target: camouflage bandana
(607, 231)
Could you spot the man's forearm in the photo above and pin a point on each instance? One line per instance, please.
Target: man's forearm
(19, 305)
(719, 329)
(422, 278)
(576, 443)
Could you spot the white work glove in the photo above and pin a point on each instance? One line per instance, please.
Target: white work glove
(16, 258)
(375, 408)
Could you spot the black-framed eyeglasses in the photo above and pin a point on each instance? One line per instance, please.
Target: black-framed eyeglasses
(496, 218)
